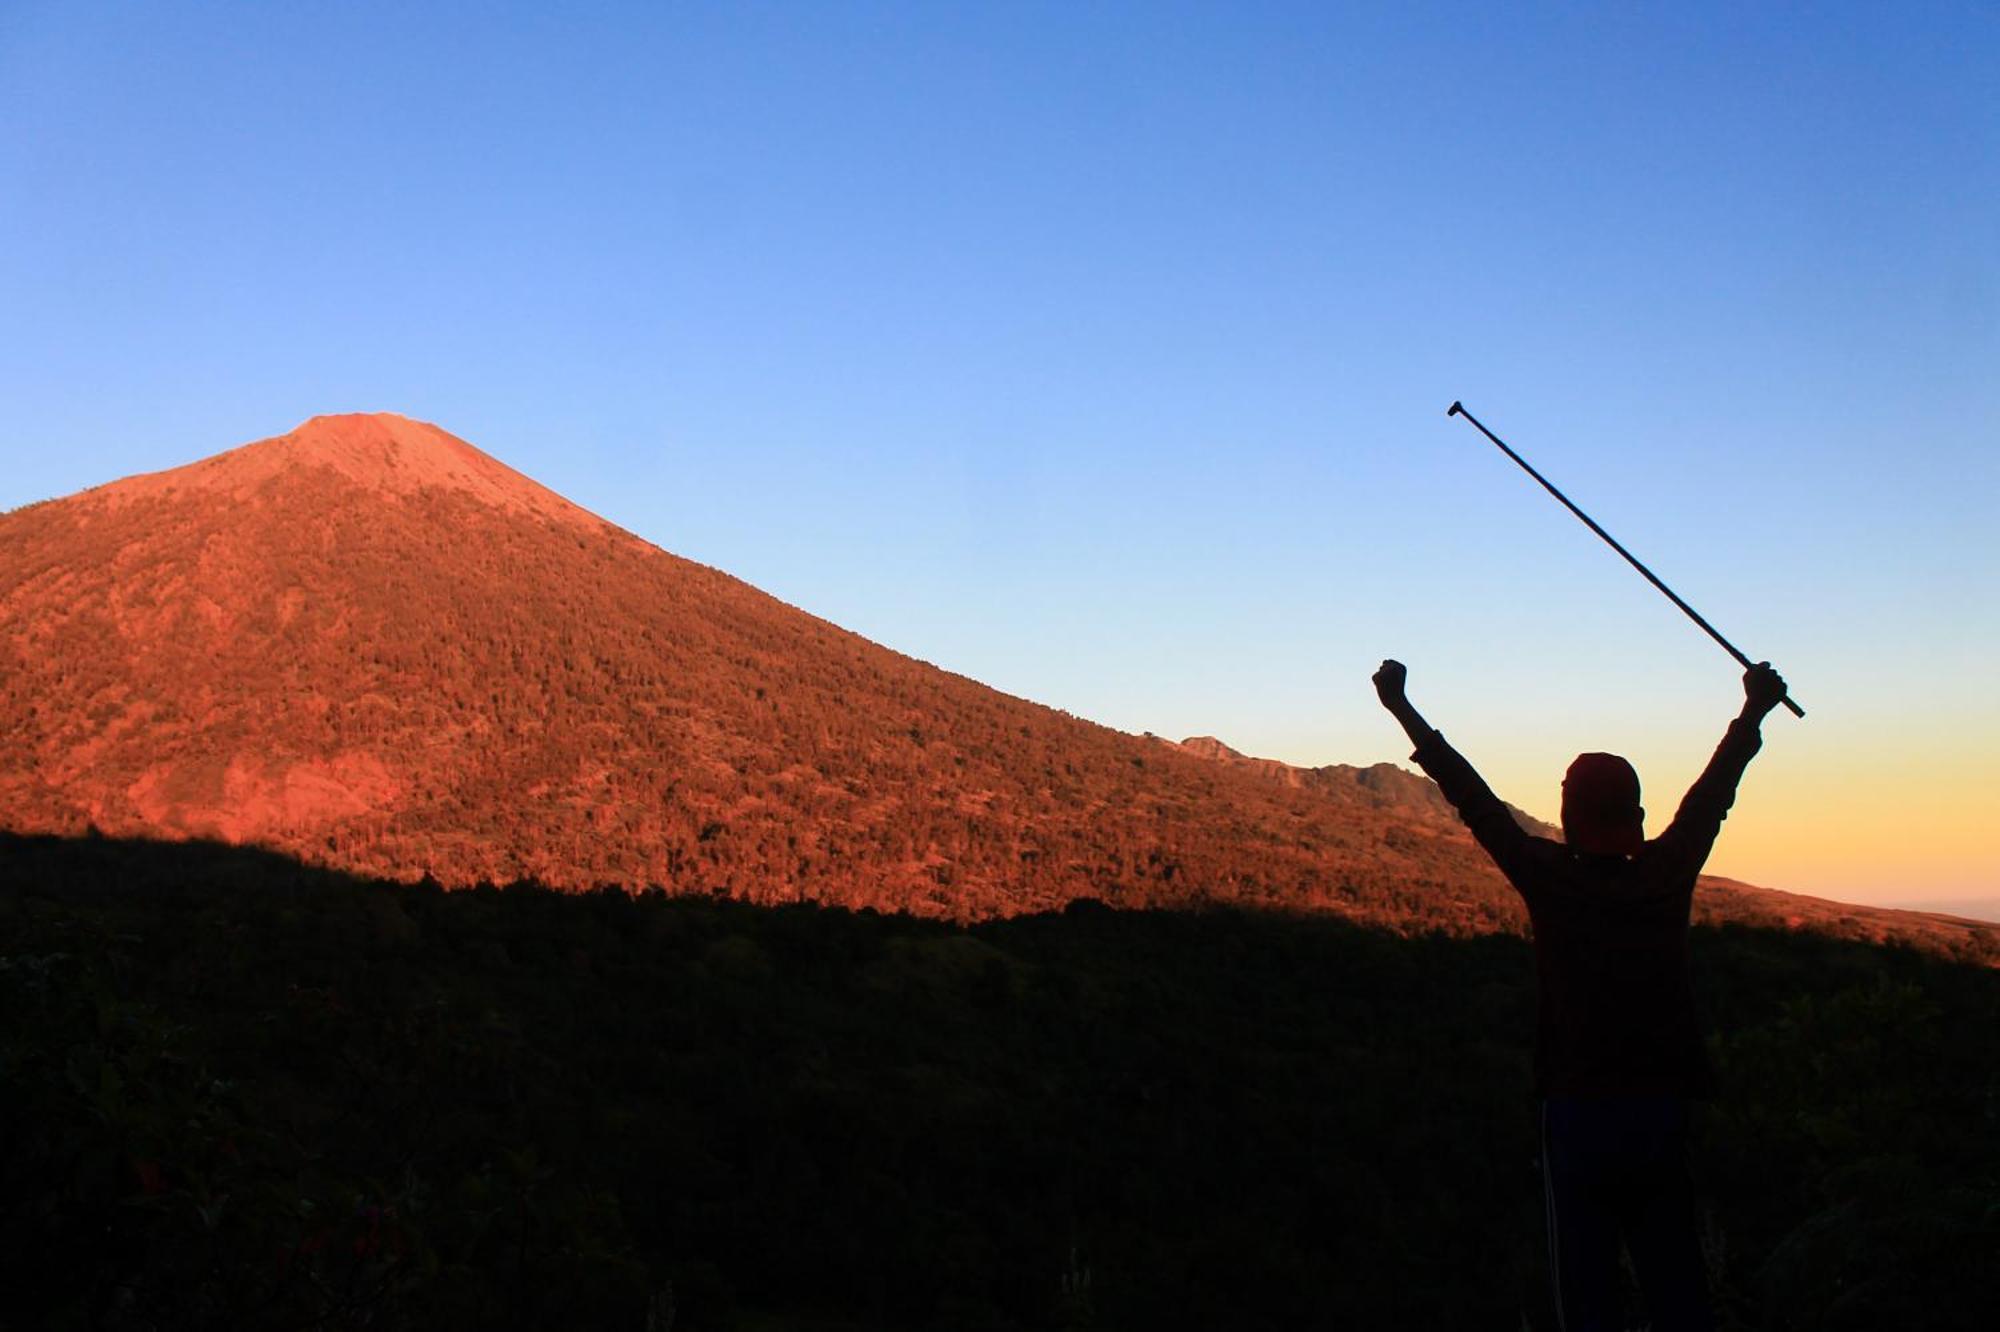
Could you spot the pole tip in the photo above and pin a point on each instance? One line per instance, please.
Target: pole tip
(1454, 410)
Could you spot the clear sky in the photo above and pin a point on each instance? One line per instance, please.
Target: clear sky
(1100, 352)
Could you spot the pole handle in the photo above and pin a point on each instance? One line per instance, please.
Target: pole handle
(1748, 664)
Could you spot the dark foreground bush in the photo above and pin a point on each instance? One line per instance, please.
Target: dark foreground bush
(235, 1092)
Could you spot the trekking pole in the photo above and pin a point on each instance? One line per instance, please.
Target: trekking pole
(1458, 409)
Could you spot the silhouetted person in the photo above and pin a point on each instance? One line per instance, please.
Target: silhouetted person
(1618, 1051)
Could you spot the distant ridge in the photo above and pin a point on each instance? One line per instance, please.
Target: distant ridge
(368, 644)
(1964, 908)
(1384, 784)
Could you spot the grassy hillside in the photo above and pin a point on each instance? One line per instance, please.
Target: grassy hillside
(239, 1092)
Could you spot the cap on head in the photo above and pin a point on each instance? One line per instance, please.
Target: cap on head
(1601, 813)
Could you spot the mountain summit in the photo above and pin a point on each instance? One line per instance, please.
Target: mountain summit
(377, 451)
(370, 645)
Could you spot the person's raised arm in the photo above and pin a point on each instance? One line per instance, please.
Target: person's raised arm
(1391, 681)
(1707, 802)
(1492, 825)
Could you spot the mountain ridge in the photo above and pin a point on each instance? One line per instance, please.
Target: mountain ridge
(1386, 782)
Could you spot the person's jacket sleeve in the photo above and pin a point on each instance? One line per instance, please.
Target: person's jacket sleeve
(1492, 824)
(1699, 819)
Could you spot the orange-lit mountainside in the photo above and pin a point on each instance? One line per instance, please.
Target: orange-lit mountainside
(370, 645)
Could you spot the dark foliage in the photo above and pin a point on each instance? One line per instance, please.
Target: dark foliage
(238, 1092)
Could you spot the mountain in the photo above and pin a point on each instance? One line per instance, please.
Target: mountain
(372, 646)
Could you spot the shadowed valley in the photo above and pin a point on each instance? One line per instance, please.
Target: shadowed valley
(243, 1092)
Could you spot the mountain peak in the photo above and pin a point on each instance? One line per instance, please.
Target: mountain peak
(381, 452)
(335, 431)
(385, 451)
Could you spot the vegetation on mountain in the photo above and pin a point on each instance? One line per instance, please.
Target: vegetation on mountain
(369, 645)
(241, 1092)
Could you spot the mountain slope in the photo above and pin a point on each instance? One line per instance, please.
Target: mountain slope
(371, 645)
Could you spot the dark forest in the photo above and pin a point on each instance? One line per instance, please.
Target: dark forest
(239, 1091)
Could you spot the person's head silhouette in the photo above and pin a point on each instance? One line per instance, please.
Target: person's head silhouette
(1601, 814)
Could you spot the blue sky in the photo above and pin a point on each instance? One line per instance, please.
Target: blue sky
(1101, 352)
